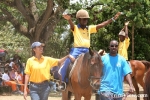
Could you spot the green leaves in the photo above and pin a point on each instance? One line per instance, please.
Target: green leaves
(13, 42)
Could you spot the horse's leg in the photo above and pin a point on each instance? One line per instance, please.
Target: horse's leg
(97, 97)
(69, 95)
(65, 95)
(135, 86)
(77, 96)
(87, 97)
(139, 79)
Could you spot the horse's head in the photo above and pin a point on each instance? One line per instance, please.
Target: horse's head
(95, 68)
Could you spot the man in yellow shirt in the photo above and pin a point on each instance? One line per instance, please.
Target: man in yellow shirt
(38, 73)
(124, 41)
(81, 33)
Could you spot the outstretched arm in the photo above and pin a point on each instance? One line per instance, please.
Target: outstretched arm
(126, 29)
(68, 18)
(64, 58)
(108, 21)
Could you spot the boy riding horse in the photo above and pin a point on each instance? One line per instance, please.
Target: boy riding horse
(81, 33)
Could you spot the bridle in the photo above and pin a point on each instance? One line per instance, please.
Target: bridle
(90, 77)
(92, 83)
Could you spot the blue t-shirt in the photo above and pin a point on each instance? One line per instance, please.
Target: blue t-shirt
(114, 70)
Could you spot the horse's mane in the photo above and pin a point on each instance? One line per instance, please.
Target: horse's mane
(87, 57)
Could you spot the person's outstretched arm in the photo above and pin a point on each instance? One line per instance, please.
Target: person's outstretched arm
(108, 21)
(64, 58)
(126, 29)
(68, 18)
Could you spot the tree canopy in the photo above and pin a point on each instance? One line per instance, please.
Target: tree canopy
(42, 21)
(34, 19)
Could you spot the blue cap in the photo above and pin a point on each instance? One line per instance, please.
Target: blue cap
(36, 44)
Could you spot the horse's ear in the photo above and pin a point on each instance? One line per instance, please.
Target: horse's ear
(91, 52)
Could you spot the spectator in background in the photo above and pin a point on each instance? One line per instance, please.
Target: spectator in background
(124, 41)
(7, 63)
(11, 73)
(0, 78)
(7, 81)
(13, 64)
(18, 62)
(19, 81)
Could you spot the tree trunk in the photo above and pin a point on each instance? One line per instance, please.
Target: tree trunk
(132, 42)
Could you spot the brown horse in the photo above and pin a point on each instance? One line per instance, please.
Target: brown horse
(147, 86)
(84, 76)
(138, 71)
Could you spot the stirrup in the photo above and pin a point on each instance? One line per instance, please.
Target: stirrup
(62, 87)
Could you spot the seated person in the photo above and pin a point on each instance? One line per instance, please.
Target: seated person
(19, 81)
(0, 78)
(8, 82)
(11, 74)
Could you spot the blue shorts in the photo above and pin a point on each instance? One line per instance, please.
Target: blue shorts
(75, 52)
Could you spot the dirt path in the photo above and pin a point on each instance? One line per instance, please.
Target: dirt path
(50, 98)
(19, 97)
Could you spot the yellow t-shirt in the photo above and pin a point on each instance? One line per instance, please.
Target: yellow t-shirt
(123, 47)
(39, 70)
(82, 36)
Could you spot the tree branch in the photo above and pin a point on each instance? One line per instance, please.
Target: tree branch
(8, 2)
(33, 9)
(28, 16)
(51, 24)
(44, 18)
(92, 6)
(3, 18)
(21, 29)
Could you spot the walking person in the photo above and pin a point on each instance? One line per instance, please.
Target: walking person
(38, 73)
(81, 33)
(115, 68)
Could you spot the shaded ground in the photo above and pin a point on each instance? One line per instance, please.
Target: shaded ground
(54, 96)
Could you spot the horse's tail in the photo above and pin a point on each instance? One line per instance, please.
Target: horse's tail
(147, 85)
(146, 63)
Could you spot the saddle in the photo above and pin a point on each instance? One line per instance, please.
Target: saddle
(71, 67)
